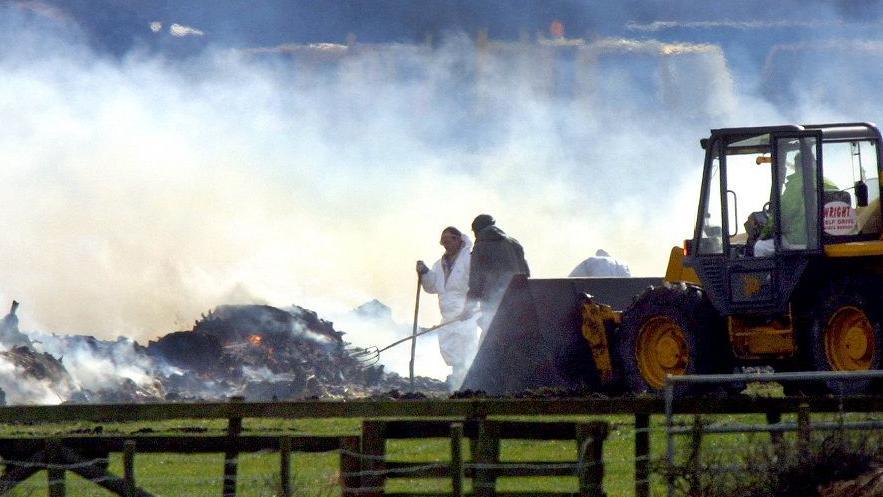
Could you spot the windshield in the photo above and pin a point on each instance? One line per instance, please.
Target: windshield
(748, 184)
(748, 211)
(741, 186)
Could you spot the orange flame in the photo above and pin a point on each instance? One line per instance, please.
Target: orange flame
(255, 339)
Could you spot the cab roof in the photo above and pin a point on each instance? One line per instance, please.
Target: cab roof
(831, 132)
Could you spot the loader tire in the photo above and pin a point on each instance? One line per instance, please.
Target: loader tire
(670, 330)
(842, 334)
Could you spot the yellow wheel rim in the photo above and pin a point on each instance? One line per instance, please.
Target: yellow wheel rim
(661, 350)
(849, 340)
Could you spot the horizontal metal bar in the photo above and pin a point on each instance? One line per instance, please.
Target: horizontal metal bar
(779, 427)
(787, 376)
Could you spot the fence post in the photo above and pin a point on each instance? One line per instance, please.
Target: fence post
(804, 429)
(374, 452)
(486, 457)
(129, 467)
(350, 465)
(234, 428)
(457, 459)
(773, 418)
(695, 462)
(285, 465)
(642, 455)
(54, 473)
(590, 447)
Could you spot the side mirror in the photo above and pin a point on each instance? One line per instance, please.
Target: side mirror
(861, 194)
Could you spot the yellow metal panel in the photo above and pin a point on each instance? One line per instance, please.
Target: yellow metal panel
(598, 320)
(855, 249)
(755, 338)
(676, 271)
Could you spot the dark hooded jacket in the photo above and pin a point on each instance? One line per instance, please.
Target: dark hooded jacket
(495, 258)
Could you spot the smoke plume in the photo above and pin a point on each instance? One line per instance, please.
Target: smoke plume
(140, 190)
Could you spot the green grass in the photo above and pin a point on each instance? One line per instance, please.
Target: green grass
(317, 474)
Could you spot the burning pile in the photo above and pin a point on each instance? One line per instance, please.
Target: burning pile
(256, 351)
(269, 352)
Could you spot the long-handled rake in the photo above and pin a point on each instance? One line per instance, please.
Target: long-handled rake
(370, 355)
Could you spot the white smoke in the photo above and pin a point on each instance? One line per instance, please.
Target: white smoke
(180, 31)
(139, 192)
(374, 334)
(758, 25)
(96, 365)
(20, 388)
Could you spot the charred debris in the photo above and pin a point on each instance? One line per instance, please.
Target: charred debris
(255, 351)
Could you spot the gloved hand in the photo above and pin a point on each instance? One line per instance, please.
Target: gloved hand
(421, 268)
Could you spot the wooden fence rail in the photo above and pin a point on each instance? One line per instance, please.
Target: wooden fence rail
(56, 455)
(485, 466)
(430, 408)
(88, 457)
(363, 468)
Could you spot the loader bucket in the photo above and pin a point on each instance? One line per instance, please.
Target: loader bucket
(535, 339)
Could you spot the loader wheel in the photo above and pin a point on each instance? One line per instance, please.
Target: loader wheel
(661, 350)
(670, 330)
(843, 335)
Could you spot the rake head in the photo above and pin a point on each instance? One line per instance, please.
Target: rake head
(367, 355)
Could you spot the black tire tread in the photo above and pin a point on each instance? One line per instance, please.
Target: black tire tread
(811, 350)
(689, 307)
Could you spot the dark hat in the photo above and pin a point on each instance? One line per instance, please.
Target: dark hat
(481, 222)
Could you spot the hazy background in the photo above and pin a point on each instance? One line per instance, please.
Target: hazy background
(162, 158)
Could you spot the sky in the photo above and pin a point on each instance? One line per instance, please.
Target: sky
(163, 158)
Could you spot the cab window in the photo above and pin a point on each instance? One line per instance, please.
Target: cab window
(796, 167)
(851, 200)
(749, 187)
(710, 229)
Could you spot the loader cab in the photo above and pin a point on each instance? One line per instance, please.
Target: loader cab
(774, 199)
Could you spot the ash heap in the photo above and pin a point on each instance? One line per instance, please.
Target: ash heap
(255, 351)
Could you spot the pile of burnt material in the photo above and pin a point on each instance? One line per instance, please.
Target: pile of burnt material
(263, 352)
(256, 351)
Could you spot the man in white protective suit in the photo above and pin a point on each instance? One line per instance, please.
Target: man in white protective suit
(449, 278)
(601, 265)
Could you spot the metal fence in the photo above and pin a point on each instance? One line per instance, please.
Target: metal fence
(695, 456)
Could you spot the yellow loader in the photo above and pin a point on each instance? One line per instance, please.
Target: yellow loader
(784, 269)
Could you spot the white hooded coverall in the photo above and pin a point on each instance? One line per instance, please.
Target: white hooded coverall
(601, 265)
(459, 340)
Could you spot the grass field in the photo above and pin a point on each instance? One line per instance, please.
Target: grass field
(317, 474)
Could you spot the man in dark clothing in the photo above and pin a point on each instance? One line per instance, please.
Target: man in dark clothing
(496, 257)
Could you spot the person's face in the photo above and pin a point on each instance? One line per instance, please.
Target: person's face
(450, 242)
